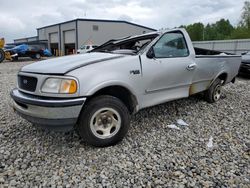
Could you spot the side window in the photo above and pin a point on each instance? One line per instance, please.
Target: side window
(171, 45)
(87, 47)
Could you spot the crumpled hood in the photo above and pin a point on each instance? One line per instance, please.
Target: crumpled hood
(65, 64)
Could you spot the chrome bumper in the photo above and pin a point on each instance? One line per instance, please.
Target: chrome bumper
(60, 114)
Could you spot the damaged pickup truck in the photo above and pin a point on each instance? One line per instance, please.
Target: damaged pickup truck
(97, 92)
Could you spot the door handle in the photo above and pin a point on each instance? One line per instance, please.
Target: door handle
(191, 66)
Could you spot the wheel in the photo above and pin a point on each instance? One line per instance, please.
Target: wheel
(15, 58)
(213, 94)
(2, 55)
(104, 121)
(37, 56)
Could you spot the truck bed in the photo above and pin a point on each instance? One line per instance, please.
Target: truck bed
(212, 62)
(202, 51)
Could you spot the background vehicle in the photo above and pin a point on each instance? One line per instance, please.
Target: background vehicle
(245, 64)
(97, 92)
(32, 51)
(86, 48)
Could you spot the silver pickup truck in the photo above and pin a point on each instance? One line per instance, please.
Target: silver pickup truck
(96, 93)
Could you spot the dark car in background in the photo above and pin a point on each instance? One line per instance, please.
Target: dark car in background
(32, 51)
(245, 64)
(8, 47)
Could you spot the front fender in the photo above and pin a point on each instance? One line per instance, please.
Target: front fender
(109, 83)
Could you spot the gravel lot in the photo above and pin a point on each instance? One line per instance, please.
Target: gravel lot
(152, 155)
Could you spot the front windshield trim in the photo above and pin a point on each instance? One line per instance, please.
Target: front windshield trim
(127, 44)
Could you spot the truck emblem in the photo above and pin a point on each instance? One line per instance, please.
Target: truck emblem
(25, 81)
(134, 72)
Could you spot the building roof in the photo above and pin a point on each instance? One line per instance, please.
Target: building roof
(98, 20)
(29, 42)
(26, 38)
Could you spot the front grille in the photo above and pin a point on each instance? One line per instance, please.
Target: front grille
(27, 83)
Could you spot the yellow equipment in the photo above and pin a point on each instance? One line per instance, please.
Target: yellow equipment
(2, 42)
(4, 55)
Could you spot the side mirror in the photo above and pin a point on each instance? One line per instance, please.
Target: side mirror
(151, 53)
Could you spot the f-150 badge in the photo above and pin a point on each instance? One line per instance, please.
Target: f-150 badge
(134, 72)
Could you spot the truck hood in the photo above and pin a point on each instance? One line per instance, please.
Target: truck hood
(66, 64)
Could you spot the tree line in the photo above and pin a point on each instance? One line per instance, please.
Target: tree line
(222, 29)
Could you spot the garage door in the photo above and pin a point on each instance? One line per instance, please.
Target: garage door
(53, 37)
(69, 37)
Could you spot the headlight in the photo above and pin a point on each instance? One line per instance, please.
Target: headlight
(59, 85)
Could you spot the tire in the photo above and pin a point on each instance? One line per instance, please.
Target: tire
(15, 58)
(104, 121)
(213, 94)
(36, 56)
(2, 55)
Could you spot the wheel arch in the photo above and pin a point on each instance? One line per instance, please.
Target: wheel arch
(222, 75)
(119, 91)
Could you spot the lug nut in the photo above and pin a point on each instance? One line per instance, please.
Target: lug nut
(109, 119)
(99, 122)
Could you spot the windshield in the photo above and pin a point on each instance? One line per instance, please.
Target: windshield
(83, 47)
(130, 46)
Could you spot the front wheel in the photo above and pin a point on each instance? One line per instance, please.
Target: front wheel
(104, 121)
(213, 94)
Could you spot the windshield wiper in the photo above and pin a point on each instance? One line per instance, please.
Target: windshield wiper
(104, 51)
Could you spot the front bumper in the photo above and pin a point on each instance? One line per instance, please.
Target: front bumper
(52, 113)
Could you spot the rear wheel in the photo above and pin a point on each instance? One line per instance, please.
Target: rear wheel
(37, 56)
(2, 55)
(15, 58)
(213, 94)
(104, 121)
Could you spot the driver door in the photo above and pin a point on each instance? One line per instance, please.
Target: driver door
(168, 73)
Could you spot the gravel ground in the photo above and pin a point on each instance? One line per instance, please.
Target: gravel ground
(152, 155)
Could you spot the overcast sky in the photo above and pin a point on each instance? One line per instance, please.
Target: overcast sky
(20, 18)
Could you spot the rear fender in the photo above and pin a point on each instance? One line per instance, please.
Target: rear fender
(217, 76)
